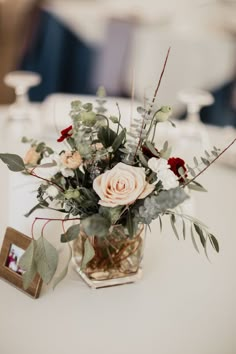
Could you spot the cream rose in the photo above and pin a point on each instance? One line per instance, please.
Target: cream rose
(31, 156)
(122, 185)
(71, 160)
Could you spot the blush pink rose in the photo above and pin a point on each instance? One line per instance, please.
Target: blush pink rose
(71, 159)
(122, 185)
(31, 156)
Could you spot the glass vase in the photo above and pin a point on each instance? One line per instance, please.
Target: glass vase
(117, 259)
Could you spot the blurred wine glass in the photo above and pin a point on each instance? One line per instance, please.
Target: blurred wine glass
(21, 116)
(193, 137)
(21, 81)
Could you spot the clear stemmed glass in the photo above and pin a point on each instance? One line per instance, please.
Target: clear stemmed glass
(193, 137)
(21, 117)
(21, 81)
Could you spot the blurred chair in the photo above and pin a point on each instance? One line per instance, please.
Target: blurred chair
(15, 17)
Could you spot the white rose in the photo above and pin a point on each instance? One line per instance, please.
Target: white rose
(122, 185)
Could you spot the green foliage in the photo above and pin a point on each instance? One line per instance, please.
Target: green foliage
(13, 162)
(166, 151)
(172, 220)
(71, 234)
(119, 140)
(200, 230)
(27, 262)
(153, 206)
(89, 253)
(106, 136)
(96, 225)
(40, 257)
(46, 258)
(112, 214)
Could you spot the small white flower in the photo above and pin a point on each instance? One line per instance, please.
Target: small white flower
(164, 174)
(52, 191)
(168, 179)
(67, 172)
(157, 165)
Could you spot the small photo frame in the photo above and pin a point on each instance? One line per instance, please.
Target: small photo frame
(14, 245)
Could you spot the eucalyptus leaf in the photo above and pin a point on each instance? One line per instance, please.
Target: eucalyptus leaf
(193, 240)
(195, 161)
(214, 242)
(172, 221)
(142, 159)
(151, 147)
(89, 253)
(191, 171)
(46, 259)
(112, 214)
(13, 162)
(40, 147)
(40, 205)
(27, 263)
(64, 272)
(205, 161)
(96, 225)
(196, 187)
(199, 231)
(184, 229)
(71, 234)
(160, 221)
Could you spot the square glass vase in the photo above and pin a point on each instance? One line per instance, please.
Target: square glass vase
(117, 258)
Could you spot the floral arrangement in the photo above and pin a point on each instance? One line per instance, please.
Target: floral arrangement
(110, 183)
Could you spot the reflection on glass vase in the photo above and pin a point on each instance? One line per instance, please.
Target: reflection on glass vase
(116, 259)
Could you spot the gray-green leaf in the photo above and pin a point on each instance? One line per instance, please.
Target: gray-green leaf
(71, 234)
(96, 225)
(89, 253)
(27, 263)
(13, 162)
(46, 258)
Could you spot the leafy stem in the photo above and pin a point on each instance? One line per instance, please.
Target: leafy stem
(210, 163)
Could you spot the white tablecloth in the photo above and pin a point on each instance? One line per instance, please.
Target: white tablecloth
(183, 304)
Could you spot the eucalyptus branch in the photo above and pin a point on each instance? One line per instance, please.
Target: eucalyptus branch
(210, 163)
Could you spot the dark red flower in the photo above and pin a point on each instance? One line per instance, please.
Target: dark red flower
(148, 152)
(65, 134)
(175, 163)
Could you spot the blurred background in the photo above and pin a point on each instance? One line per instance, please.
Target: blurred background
(77, 45)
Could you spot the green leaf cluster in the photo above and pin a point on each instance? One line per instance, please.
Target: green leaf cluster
(40, 257)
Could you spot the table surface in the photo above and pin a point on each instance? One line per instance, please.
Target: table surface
(183, 304)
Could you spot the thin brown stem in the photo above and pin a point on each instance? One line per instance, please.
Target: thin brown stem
(210, 163)
(42, 231)
(45, 179)
(160, 79)
(55, 219)
(153, 101)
